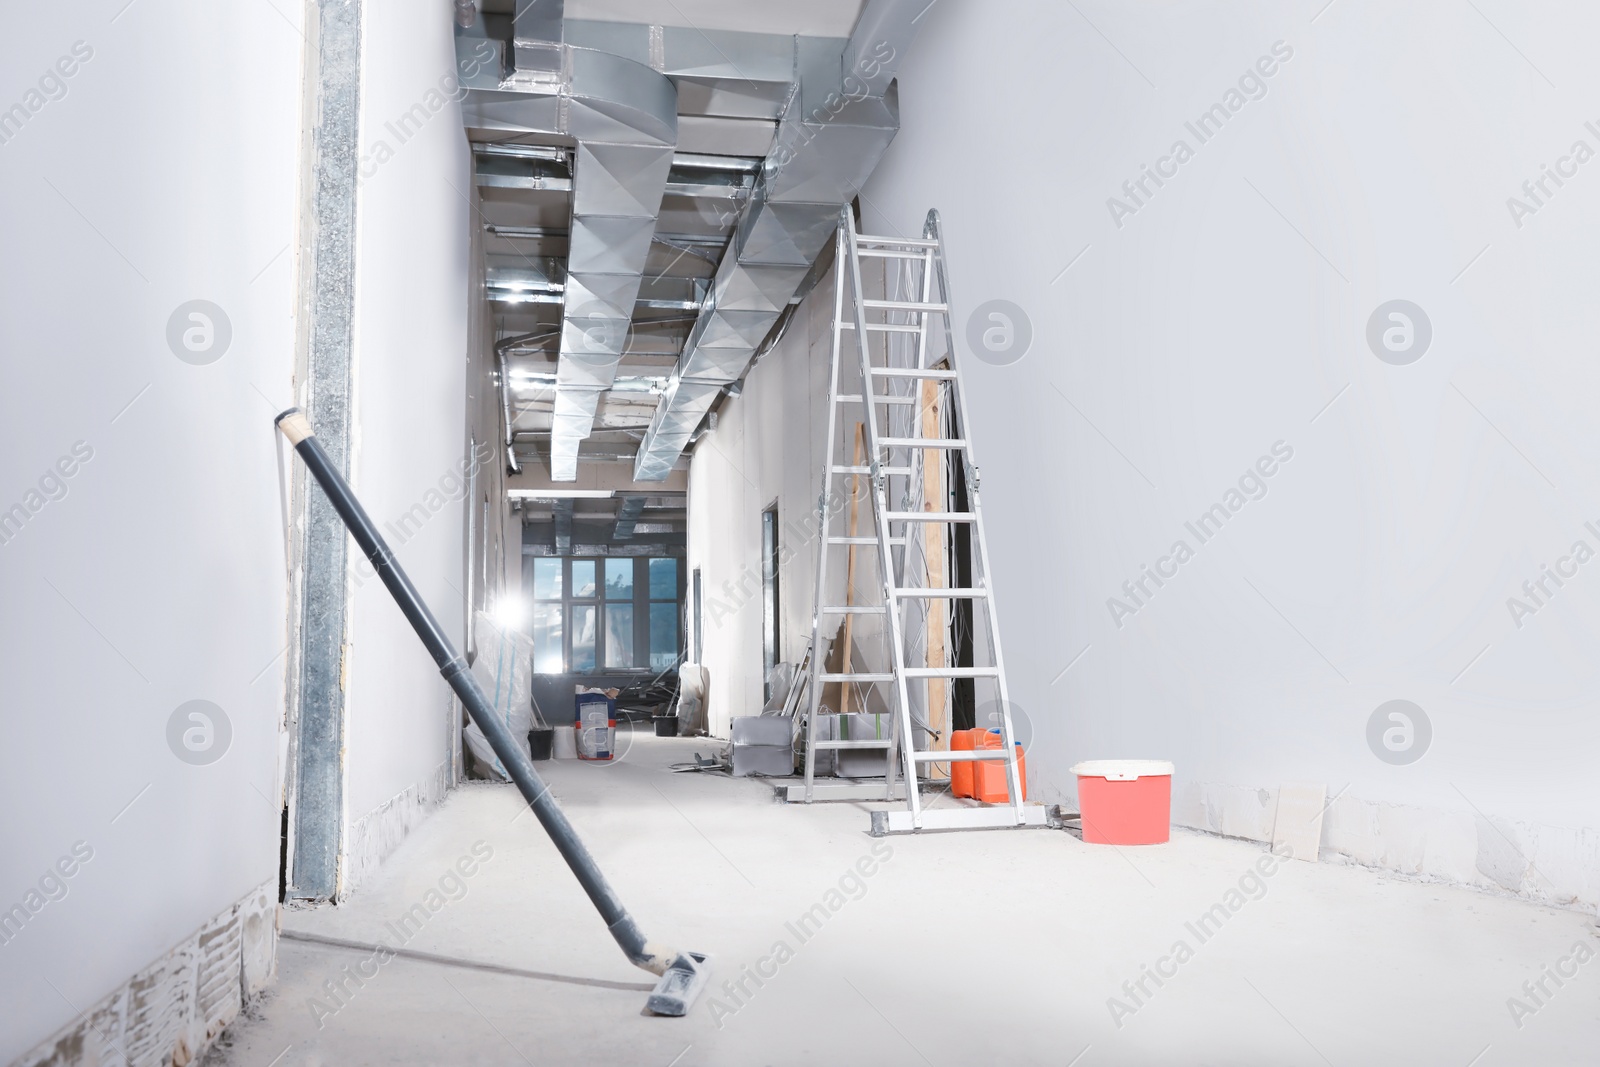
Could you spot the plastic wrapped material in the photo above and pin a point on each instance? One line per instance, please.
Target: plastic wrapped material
(693, 681)
(780, 683)
(504, 669)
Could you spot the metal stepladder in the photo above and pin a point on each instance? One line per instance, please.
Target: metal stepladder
(849, 470)
(906, 377)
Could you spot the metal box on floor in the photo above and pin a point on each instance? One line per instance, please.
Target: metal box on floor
(847, 763)
(763, 744)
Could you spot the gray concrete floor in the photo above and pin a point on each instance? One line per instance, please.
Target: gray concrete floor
(961, 949)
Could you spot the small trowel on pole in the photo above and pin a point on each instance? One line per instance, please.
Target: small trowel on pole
(683, 975)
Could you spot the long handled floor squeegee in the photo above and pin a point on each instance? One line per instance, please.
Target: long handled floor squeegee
(683, 975)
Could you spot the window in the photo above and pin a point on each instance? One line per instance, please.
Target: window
(699, 619)
(600, 614)
(583, 637)
(770, 644)
(583, 578)
(547, 579)
(619, 613)
(619, 579)
(549, 648)
(665, 645)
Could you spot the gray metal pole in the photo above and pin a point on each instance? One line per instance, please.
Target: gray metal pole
(657, 959)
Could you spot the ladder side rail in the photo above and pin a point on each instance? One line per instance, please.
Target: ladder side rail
(890, 559)
(901, 556)
(910, 286)
(823, 525)
(932, 230)
(914, 280)
(932, 392)
(879, 511)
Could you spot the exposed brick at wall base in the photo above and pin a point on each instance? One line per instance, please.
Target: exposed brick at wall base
(379, 832)
(1543, 864)
(168, 1014)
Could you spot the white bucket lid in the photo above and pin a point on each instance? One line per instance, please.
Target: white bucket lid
(1122, 770)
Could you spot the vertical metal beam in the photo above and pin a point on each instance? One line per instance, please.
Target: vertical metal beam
(328, 307)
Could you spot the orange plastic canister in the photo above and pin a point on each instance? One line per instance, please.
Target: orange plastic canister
(985, 781)
(961, 773)
(989, 778)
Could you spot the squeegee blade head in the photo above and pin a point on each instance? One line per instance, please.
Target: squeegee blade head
(680, 985)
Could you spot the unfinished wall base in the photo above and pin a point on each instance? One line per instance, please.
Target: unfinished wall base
(379, 832)
(171, 1012)
(1552, 865)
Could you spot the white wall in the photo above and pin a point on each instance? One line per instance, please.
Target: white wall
(411, 447)
(158, 577)
(1172, 352)
(767, 448)
(1223, 317)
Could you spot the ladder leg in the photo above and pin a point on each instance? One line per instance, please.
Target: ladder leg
(818, 656)
(895, 741)
(979, 540)
(811, 749)
(880, 509)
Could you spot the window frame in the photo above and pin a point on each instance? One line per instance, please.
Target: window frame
(640, 602)
(771, 597)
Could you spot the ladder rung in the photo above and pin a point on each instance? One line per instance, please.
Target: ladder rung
(952, 672)
(885, 327)
(923, 442)
(913, 372)
(938, 593)
(863, 540)
(855, 398)
(819, 745)
(850, 469)
(902, 305)
(895, 242)
(854, 609)
(857, 677)
(930, 516)
(885, 253)
(965, 755)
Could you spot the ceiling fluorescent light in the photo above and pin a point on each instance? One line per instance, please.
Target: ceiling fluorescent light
(560, 494)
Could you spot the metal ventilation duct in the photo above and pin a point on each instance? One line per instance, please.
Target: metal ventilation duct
(628, 517)
(561, 516)
(839, 119)
(624, 117)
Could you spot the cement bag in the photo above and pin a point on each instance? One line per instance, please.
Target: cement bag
(596, 720)
(504, 670)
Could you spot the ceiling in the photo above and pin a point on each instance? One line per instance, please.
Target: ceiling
(525, 205)
(626, 524)
(618, 147)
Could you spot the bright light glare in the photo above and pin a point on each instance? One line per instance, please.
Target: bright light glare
(509, 612)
